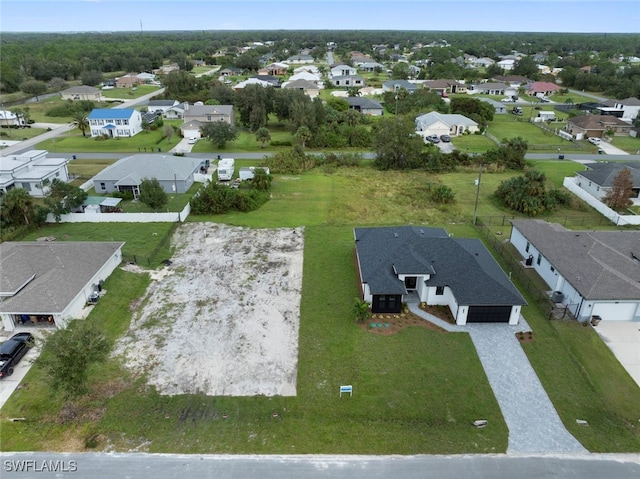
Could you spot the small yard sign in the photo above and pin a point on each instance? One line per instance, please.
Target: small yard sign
(346, 389)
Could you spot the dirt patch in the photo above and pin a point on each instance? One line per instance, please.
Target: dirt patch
(223, 318)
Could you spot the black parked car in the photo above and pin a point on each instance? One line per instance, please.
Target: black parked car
(11, 352)
(445, 138)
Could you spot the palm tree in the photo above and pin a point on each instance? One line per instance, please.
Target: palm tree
(263, 135)
(261, 179)
(303, 135)
(81, 121)
(17, 207)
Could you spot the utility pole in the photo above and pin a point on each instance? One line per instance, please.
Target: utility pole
(475, 209)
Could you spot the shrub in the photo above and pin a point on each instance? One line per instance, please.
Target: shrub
(215, 199)
(281, 143)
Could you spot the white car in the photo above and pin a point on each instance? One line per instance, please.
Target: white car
(594, 140)
(192, 141)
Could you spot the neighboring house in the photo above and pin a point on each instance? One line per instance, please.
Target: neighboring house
(537, 88)
(150, 117)
(597, 179)
(483, 62)
(175, 112)
(445, 86)
(628, 108)
(343, 71)
(192, 129)
(490, 88)
(209, 113)
(499, 108)
(252, 81)
(434, 123)
(512, 80)
(299, 59)
(310, 77)
(348, 81)
(9, 118)
(174, 173)
(49, 283)
(115, 123)
(146, 78)
(396, 85)
(231, 71)
(275, 81)
(166, 69)
(128, 81)
(82, 92)
(370, 66)
(161, 106)
(29, 170)
(586, 126)
(413, 263)
(307, 68)
(594, 273)
(277, 69)
(309, 88)
(507, 64)
(366, 106)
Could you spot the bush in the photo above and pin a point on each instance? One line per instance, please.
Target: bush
(281, 143)
(214, 199)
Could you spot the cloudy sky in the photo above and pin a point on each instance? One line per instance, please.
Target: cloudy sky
(471, 15)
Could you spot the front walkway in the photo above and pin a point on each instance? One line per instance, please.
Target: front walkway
(534, 425)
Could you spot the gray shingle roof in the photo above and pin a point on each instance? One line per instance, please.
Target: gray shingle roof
(599, 264)
(61, 270)
(464, 265)
(364, 103)
(603, 174)
(161, 167)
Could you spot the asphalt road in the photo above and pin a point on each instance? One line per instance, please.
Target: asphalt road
(166, 466)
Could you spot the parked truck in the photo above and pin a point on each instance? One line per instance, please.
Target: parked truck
(248, 172)
(226, 168)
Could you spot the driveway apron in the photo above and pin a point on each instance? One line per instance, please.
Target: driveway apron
(534, 425)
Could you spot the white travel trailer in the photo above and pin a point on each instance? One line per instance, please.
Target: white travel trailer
(226, 168)
(248, 172)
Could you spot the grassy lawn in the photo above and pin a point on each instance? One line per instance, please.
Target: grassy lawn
(472, 143)
(410, 394)
(129, 93)
(17, 134)
(246, 142)
(145, 141)
(627, 143)
(87, 168)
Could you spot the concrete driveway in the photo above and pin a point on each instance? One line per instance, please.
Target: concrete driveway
(623, 339)
(9, 384)
(609, 149)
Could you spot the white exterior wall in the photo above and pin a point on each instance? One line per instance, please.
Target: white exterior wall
(572, 185)
(461, 315)
(590, 187)
(366, 293)
(616, 310)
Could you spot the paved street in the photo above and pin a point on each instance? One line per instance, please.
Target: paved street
(180, 466)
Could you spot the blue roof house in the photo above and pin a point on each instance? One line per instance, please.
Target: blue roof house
(115, 123)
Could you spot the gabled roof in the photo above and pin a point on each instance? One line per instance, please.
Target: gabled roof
(603, 174)
(203, 110)
(149, 165)
(300, 85)
(492, 102)
(541, 86)
(52, 273)
(111, 114)
(364, 103)
(162, 102)
(490, 86)
(599, 264)
(629, 101)
(596, 122)
(464, 265)
(407, 85)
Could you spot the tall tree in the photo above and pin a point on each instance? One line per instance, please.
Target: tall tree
(396, 144)
(219, 133)
(303, 134)
(81, 122)
(16, 208)
(261, 179)
(63, 197)
(619, 196)
(34, 87)
(263, 136)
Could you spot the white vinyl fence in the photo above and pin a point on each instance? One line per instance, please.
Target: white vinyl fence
(618, 219)
(171, 217)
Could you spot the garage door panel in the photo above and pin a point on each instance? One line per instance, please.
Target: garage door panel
(615, 311)
(489, 314)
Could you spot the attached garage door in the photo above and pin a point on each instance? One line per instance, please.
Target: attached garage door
(489, 314)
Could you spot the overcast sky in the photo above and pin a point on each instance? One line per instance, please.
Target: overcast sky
(478, 15)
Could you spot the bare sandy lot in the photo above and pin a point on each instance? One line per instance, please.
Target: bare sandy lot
(223, 318)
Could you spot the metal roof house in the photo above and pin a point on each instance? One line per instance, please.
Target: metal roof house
(114, 123)
(405, 263)
(595, 273)
(49, 283)
(174, 173)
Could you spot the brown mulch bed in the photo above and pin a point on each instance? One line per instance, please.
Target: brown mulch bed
(387, 324)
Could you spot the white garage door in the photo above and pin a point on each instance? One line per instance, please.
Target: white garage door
(615, 311)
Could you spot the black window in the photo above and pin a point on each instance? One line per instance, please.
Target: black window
(439, 290)
(527, 248)
(539, 258)
(410, 282)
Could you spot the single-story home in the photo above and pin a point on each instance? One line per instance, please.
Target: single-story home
(598, 178)
(114, 123)
(396, 85)
(276, 69)
(541, 88)
(30, 170)
(231, 71)
(592, 273)
(445, 86)
(308, 76)
(366, 106)
(434, 123)
(192, 129)
(310, 89)
(48, 283)
(209, 113)
(490, 88)
(370, 66)
(176, 112)
(9, 118)
(587, 126)
(507, 64)
(299, 59)
(129, 80)
(499, 108)
(174, 173)
(252, 81)
(512, 80)
(161, 105)
(343, 71)
(412, 263)
(82, 92)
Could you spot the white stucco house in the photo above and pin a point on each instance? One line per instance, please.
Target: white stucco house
(115, 123)
(598, 178)
(30, 171)
(592, 273)
(48, 283)
(434, 123)
(343, 70)
(420, 264)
